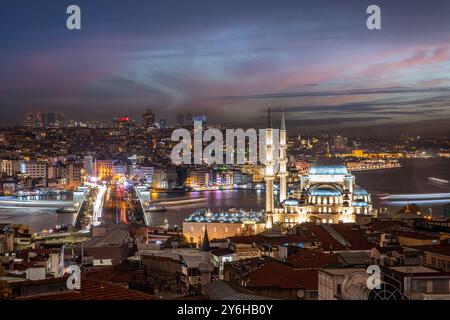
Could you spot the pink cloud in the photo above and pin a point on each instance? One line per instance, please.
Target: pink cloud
(417, 59)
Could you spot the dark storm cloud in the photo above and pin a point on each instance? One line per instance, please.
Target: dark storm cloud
(333, 121)
(375, 91)
(376, 106)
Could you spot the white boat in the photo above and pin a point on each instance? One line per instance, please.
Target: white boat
(155, 209)
(433, 179)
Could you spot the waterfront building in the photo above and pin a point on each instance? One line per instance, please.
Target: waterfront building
(221, 177)
(36, 169)
(328, 194)
(88, 164)
(164, 178)
(199, 178)
(73, 175)
(139, 173)
(358, 153)
(241, 179)
(221, 224)
(9, 167)
(120, 170)
(104, 169)
(255, 171)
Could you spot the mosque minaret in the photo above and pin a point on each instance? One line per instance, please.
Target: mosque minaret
(269, 172)
(326, 194)
(282, 173)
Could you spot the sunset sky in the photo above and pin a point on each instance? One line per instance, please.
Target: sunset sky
(230, 60)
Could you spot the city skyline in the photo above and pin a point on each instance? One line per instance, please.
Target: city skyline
(218, 157)
(318, 61)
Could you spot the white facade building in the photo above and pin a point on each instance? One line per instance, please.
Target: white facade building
(327, 194)
(36, 169)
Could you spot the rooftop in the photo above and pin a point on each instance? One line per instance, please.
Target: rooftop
(441, 249)
(277, 275)
(342, 271)
(222, 290)
(328, 166)
(417, 235)
(112, 238)
(203, 215)
(359, 191)
(413, 269)
(92, 290)
(324, 190)
(306, 258)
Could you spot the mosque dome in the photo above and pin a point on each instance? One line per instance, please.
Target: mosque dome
(328, 166)
(358, 191)
(291, 202)
(324, 190)
(359, 203)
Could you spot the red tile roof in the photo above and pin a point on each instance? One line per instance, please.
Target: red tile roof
(275, 275)
(312, 259)
(222, 252)
(384, 225)
(326, 240)
(114, 275)
(441, 249)
(416, 235)
(274, 240)
(91, 290)
(356, 237)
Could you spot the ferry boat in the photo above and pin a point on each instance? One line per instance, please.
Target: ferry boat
(437, 180)
(155, 209)
(66, 210)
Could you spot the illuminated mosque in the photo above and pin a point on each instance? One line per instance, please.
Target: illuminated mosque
(327, 194)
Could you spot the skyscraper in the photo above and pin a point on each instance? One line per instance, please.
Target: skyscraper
(88, 164)
(180, 120)
(199, 118)
(38, 123)
(29, 120)
(148, 119)
(188, 121)
(48, 119)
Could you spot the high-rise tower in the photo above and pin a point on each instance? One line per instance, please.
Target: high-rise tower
(282, 173)
(148, 119)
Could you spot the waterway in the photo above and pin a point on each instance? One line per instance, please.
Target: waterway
(411, 178)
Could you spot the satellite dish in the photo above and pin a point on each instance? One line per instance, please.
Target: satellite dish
(301, 293)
